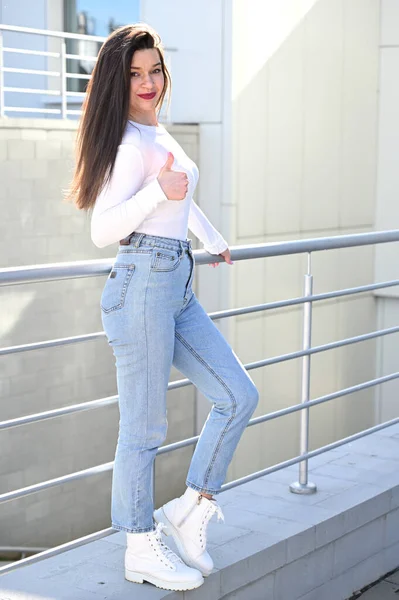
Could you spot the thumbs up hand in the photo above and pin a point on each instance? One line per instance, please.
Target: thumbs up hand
(173, 183)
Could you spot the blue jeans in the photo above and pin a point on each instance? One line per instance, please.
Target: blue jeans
(152, 319)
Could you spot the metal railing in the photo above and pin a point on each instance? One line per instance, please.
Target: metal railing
(61, 271)
(62, 75)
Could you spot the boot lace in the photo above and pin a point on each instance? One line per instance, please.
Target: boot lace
(213, 508)
(165, 550)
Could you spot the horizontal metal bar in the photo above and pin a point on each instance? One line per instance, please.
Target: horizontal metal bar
(323, 348)
(29, 274)
(92, 404)
(32, 91)
(249, 366)
(55, 271)
(344, 392)
(77, 94)
(30, 560)
(80, 57)
(54, 111)
(44, 485)
(61, 34)
(73, 112)
(89, 337)
(232, 312)
(49, 33)
(31, 71)
(286, 411)
(77, 76)
(308, 455)
(32, 52)
(313, 245)
(58, 412)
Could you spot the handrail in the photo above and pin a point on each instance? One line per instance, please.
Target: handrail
(62, 74)
(60, 271)
(61, 34)
(93, 268)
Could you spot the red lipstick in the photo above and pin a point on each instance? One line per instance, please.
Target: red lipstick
(147, 96)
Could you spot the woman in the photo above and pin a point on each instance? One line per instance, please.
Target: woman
(139, 183)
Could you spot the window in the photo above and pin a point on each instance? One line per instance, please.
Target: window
(93, 17)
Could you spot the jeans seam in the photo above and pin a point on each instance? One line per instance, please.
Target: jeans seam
(231, 395)
(201, 489)
(138, 530)
(146, 422)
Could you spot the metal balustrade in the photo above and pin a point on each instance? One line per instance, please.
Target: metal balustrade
(61, 76)
(93, 268)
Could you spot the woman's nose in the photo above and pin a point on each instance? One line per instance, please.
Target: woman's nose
(147, 78)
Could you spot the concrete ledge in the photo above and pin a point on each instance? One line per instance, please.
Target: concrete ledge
(72, 125)
(274, 544)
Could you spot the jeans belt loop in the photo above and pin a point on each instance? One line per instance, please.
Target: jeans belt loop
(139, 239)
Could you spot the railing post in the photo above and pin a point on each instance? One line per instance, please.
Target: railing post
(63, 80)
(2, 101)
(303, 486)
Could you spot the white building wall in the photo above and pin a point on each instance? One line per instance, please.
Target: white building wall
(387, 208)
(195, 29)
(304, 122)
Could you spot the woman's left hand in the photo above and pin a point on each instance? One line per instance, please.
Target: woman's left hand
(227, 258)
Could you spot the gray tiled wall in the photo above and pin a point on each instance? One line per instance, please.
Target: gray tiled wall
(36, 161)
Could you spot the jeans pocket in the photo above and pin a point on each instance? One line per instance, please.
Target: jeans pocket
(164, 259)
(116, 286)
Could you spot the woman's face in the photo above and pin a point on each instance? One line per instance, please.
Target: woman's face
(146, 81)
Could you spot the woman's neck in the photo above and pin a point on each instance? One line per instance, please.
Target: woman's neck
(150, 120)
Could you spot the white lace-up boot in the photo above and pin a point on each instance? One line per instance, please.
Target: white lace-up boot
(147, 558)
(186, 519)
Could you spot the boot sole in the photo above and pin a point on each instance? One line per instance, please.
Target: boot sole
(159, 515)
(177, 586)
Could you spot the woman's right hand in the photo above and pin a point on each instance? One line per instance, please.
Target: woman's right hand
(173, 183)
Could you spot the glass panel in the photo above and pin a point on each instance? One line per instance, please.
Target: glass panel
(93, 17)
(103, 16)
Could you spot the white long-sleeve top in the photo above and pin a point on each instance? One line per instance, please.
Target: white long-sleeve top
(133, 199)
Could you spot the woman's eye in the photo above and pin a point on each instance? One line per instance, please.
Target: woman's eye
(136, 73)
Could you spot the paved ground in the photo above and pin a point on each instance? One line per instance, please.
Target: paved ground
(388, 589)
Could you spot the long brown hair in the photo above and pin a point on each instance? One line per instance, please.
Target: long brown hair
(106, 110)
